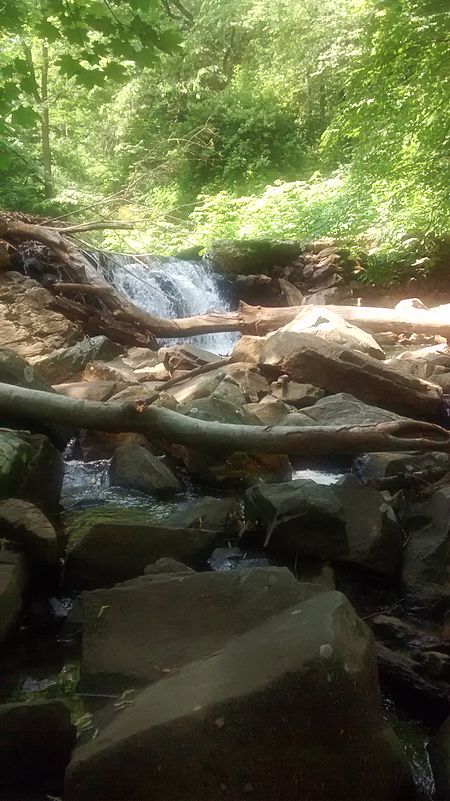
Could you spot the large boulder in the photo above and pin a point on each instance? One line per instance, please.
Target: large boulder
(426, 562)
(107, 546)
(156, 623)
(344, 522)
(340, 410)
(27, 325)
(36, 741)
(24, 524)
(329, 326)
(304, 679)
(246, 377)
(439, 751)
(65, 364)
(13, 580)
(134, 467)
(250, 256)
(306, 358)
(30, 468)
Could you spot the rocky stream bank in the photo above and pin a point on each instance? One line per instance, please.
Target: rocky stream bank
(182, 620)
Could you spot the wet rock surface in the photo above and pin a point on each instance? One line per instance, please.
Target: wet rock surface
(211, 726)
(105, 548)
(217, 658)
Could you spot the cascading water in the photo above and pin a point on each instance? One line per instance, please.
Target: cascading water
(169, 288)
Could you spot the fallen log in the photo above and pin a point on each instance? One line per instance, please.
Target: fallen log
(402, 435)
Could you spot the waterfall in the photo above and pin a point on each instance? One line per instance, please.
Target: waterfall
(169, 287)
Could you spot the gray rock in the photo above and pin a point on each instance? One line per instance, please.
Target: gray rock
(217, 409)
(106, 547)
(166, 565)
(25, 525)
(13, 579)
(344, 522)
(439, 751)
(30, 468)
(65, 364)
(305, 680)
(153, 625)
(36, 741)
(325, 324)
(426, 561)
(341, 409)
(215, 514)
(134, 467)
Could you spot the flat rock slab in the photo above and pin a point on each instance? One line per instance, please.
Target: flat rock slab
(104, 550)
(152, 625)
(289, 710)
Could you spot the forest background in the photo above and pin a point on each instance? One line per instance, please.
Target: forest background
(220, 119)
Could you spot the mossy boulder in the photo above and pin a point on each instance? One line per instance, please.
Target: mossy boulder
(31, 468)
(108, 546)
(252, 256)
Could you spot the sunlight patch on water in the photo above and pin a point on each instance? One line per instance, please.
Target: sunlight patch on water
(319, 476)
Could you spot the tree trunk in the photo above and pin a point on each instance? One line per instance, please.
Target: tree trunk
(26, 404)
(45, 125)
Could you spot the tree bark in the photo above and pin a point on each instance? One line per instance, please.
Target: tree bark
(45, 125)
(224, 437)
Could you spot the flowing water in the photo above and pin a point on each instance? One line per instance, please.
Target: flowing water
(42, 662)
(169, 287)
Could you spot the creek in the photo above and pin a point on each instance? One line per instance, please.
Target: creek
(43, 660)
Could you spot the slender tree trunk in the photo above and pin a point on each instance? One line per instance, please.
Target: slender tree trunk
(45, 125)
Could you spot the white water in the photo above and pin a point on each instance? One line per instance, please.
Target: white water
(170, 288)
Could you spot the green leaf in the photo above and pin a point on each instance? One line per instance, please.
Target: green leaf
(48, 31)
(169, 41)
(28, 84)
(24, 117)
(21, 66)
(68, 65)
(115, 71)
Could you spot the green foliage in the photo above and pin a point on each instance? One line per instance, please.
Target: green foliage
(236, 118)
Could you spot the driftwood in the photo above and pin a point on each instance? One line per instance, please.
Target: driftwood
(402, 435)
